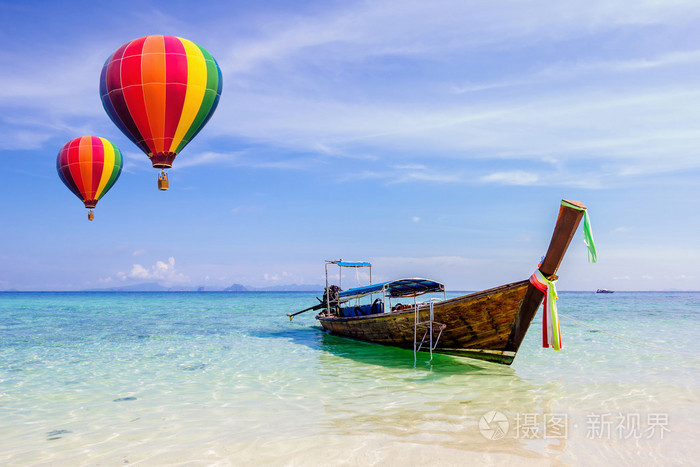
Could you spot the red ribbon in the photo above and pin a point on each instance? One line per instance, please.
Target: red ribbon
(542, 288)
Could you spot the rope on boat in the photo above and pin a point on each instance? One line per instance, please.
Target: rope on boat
(631, 340)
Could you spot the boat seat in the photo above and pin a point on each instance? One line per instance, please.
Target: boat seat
(362, 310)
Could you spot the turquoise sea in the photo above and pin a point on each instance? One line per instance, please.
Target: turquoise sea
(227, 379)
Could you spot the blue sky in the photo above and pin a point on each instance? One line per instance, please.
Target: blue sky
(433, 139)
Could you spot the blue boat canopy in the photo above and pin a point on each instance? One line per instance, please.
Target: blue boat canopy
(399, 288)
(349, 264)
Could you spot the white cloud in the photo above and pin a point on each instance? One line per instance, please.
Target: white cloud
(234, 159)
(512, 178)
(683, 277)
(160, 271)
(580, 69)
(411, 173)
(205, 158)
(410, 167)
(139, 272)
(276, 277)
(364, 175)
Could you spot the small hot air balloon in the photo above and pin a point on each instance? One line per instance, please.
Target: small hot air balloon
(160, 91)
(89, 166)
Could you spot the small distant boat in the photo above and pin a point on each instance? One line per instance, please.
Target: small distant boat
(487, 325)
(604, 291)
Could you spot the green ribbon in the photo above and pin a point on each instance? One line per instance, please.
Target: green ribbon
(587, 232)
(588, 238)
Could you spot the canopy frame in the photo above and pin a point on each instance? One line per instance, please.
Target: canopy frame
(343, 264)
(347, 264)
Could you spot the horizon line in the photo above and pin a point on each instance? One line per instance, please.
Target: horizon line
(302, 291)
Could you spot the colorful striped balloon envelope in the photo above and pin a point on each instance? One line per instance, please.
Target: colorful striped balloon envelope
(160, 91)
(89, 166)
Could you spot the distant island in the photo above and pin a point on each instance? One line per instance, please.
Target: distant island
(156, 287)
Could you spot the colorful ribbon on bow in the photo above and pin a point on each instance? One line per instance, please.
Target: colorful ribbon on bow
(587, 232)
(551, 333)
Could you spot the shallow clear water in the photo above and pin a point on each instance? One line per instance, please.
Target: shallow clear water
(217, 378)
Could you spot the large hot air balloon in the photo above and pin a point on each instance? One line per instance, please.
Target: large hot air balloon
(89, 166)
(160, 91)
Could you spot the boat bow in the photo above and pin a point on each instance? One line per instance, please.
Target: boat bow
(568, 220)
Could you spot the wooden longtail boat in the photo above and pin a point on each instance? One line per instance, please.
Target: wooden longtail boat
(487, 325)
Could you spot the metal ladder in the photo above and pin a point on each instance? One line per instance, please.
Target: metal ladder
(429, 329)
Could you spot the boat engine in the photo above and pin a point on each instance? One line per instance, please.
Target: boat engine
(331, 297)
